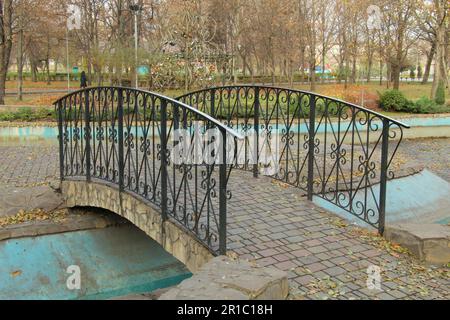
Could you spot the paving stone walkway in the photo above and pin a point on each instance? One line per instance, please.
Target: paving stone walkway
(24, 166)
(430, 153)
(274, 225)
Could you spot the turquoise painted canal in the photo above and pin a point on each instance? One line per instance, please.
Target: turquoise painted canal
(113, 262)
(51, 133)
(420, 198)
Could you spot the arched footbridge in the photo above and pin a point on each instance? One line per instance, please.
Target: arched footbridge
(165, 164)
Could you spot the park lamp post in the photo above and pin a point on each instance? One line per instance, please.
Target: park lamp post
(73, 23)
(136, 8)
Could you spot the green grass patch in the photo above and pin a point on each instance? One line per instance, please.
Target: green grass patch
(28, 114)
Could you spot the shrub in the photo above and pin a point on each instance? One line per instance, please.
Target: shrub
(44, 113)
(6, 116)
(440, 94)
(25, 114)
(426, 105)
(394, 100)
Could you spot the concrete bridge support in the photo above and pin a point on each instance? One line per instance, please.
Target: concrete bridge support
(172, 237)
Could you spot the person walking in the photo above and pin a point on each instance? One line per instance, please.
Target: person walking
(83, 80)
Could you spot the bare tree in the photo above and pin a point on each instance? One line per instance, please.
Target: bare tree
(400, 25)
(440, 8)
(6, 42)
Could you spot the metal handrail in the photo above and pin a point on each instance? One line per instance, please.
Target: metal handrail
(301, 92)
(168, 99)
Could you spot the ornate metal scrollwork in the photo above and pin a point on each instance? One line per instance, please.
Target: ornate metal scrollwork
(343, 140)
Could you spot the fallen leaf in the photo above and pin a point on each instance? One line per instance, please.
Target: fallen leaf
(16, 273)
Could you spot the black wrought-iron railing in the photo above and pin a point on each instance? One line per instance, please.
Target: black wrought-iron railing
(125, 137)
(337, 151)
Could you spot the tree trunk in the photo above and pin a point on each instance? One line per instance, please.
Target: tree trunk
(369, 71)
(47, 65)
(47, 60)
(441, 65)
(381, 72)
(5, 44)
(347, 67)
(388, 74)
(430, 57)
(341, 70)
(20, 66)
(56, 66)
(381, 59)
(273, 69)
(353, 79)
(233, 69)
(291, 74)
(33, 71)
(302, 64)
(111, 74)
(323, 64)
(396, 76)
(89, 68)
(312, 70)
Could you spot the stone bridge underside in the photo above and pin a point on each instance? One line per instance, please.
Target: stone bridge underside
(142, 214)
(269, 223)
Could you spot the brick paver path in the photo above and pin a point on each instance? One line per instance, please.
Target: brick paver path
(431, 153)
(274, 225)
(23, 166)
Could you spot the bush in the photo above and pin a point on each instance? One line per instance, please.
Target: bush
(394, 100)
(426, 105)
(440, 94)
(25, 114)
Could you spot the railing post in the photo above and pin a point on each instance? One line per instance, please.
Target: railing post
(61, 141)
(120, 139)
(213, 104)
(311, 143)
(87, 134)
(164, 174)
(176, 126)
(256, 142)
(384, 174)
(223, 197)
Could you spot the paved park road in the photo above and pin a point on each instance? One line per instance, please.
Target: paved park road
(274, 225)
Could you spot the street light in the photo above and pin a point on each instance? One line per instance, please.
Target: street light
(136, 8)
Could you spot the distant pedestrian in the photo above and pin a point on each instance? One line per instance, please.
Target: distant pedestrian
(83, 80)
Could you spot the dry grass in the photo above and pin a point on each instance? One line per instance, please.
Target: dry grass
(412, 91)
(38, 100)
(12, 85)
(353, 93)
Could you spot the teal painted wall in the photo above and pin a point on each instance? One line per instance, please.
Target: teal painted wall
(113, 262)
(421, 198)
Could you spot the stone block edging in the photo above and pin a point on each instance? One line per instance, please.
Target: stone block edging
(430, 243)
(226, 279)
